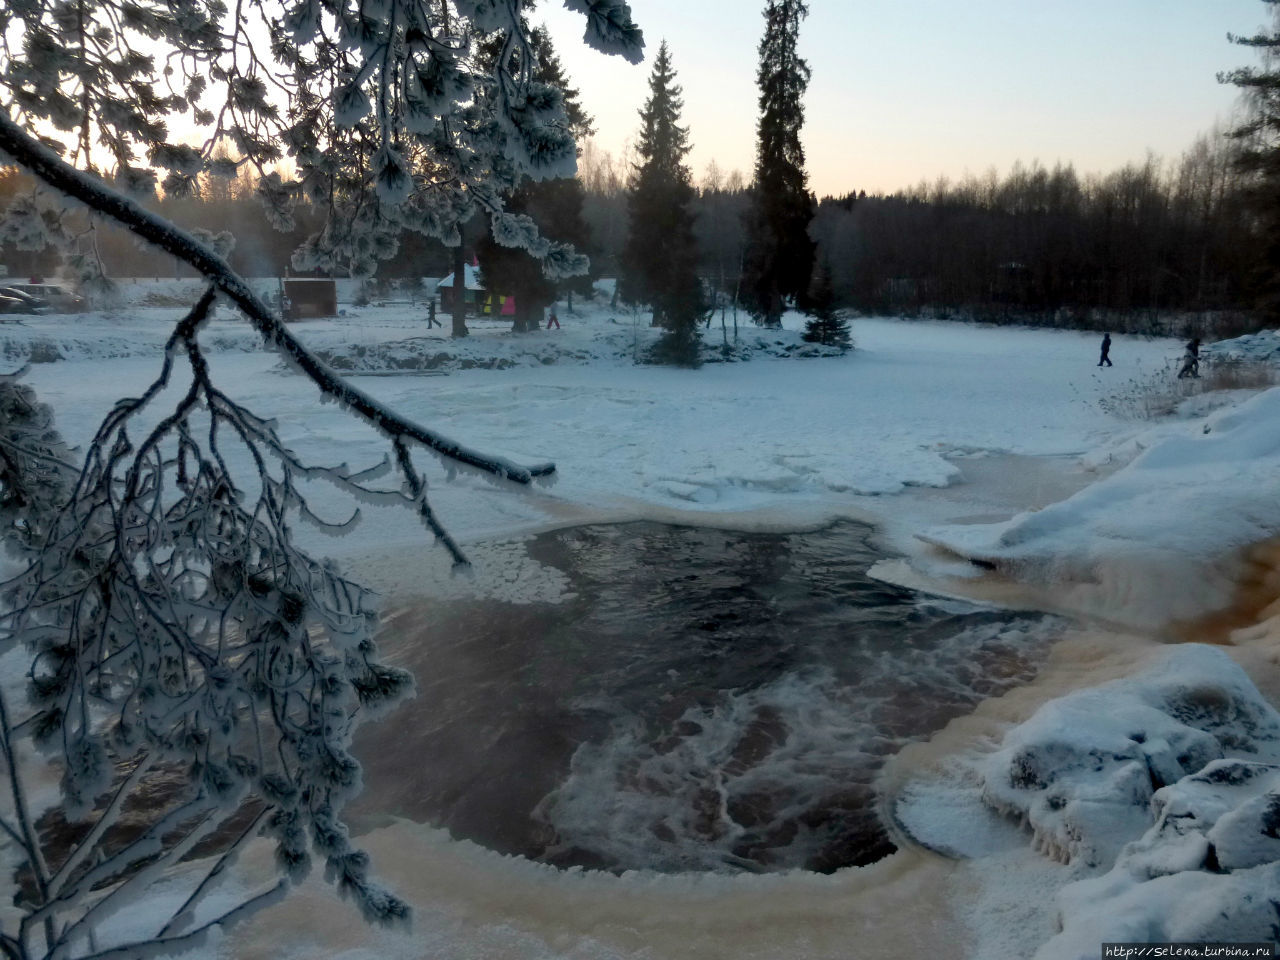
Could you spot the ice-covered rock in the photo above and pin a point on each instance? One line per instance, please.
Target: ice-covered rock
(1086, 771)
(1190, 906)
(1208, 869)
(1222, 818)
(1248, 834)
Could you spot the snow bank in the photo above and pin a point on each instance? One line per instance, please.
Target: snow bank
(1159, 540)
(160, 291)
(1261, 346)
(1186, 907)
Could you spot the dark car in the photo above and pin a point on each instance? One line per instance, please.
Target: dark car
(57, 298)
(26, 302)
(11, 305)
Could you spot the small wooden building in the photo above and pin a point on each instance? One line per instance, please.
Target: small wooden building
(307, 297)
(472, 290)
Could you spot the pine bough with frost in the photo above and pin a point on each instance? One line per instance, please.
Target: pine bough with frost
(168, 622)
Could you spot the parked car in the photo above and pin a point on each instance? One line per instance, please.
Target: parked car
(58, 297)
(10, 306)
(24, 302)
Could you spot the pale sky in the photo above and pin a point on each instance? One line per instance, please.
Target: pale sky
(905, 90)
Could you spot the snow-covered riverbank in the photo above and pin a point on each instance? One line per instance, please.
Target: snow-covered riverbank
(925, 428)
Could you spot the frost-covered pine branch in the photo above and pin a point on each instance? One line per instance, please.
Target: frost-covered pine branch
(169, 621)
(174, 624)
(35, 466)
(381, 117)
(185, 247)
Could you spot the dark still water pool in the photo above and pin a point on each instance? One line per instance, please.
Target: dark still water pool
(703, 700)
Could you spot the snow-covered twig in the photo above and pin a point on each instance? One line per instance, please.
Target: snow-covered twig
(417, 489)
(168, 946)
(183, 915)
(30, 844)
(174, 621)
(106, 820)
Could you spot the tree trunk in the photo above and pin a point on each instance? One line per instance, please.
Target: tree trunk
(724, 330)
(459, 292)
(522, 321)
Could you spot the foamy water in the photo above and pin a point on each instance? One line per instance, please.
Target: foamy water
(703, 701)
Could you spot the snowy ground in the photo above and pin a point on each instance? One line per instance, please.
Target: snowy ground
(943, 429)
(763, 440)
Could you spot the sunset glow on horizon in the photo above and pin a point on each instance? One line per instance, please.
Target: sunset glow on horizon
(912, 90)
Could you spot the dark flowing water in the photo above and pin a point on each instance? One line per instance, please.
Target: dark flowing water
(705, 700)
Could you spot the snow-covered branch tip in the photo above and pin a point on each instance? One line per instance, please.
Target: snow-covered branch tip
(610, 28)
(46, 166)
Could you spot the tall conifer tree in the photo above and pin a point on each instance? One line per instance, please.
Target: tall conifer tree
(1260, 156)
(779, 253)
(658, 262)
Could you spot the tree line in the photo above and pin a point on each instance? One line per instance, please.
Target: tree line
(1153, 243)
(1122, 250)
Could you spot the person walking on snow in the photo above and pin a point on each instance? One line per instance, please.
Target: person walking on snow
(431, 315)
(1105, 359)
(553, 319)
(1191, 360)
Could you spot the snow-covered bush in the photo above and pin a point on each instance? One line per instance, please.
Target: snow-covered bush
(35, 471)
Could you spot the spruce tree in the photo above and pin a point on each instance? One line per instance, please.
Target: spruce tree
(556, 207)
(779, 257)
(658, 261)
(1259, 158)
(824, 325)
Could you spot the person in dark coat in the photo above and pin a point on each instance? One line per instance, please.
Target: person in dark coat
(431, 315)
(1105, 359)
(1191, 360)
